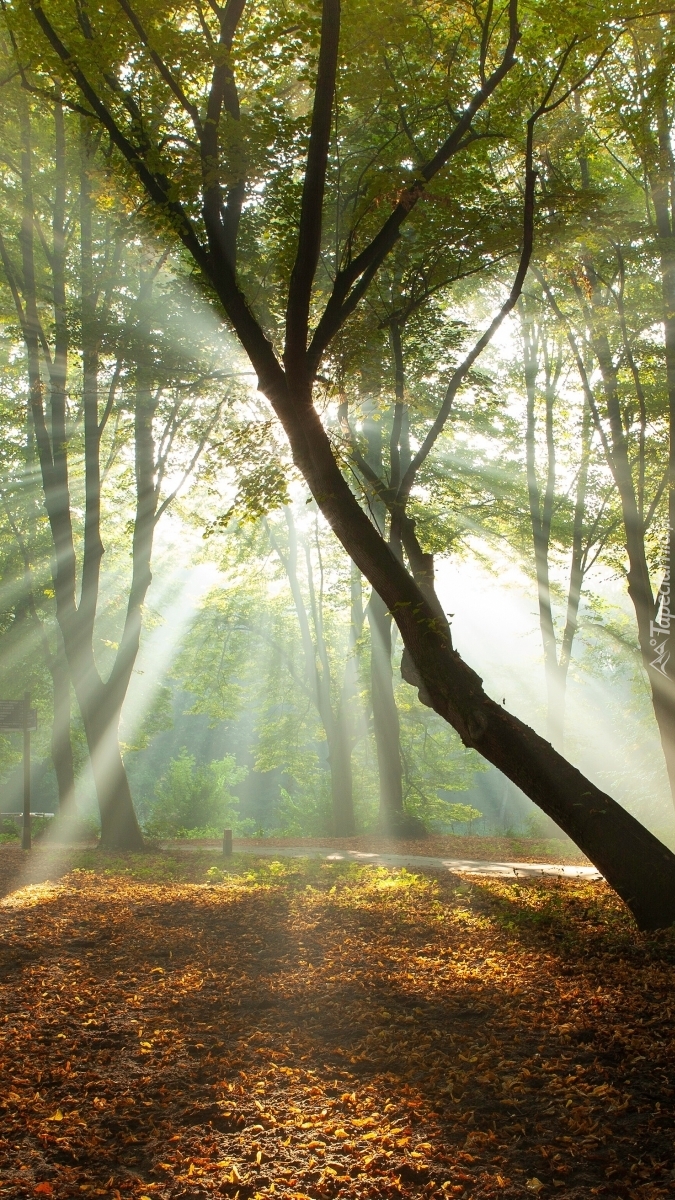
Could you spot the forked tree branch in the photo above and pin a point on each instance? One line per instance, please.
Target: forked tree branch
(309, 233)
(220, 273)
(371, 257)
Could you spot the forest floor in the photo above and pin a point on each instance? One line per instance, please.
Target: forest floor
(321, 1029)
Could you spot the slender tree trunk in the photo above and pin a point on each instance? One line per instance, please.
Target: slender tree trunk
(386, 723)
(335, 724)
(577, 566)
(100, 704)
(653, 618)
(61, 745)
(341, 776)
(661, 646)
(386, 726)
(541, 512)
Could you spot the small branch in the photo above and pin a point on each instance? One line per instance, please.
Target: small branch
(190, 108)
(460, 374)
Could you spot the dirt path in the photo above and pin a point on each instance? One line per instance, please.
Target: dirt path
(506, 870)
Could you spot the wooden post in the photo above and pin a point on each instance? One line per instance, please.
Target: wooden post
(26, 838)
(227, 843)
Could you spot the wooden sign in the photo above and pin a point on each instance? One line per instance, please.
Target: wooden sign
(12, 715)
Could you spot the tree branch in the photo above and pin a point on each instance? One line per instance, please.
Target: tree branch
(460, 374)
(309, 233)
(339, 306)
(190, 108)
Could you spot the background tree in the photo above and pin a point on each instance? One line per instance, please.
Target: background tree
(93, 397)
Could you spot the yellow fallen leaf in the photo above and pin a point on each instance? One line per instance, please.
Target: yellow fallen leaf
(235, 1177)
(535, 1185)
(57, 1116)
(340, 1133)
(258, 1157)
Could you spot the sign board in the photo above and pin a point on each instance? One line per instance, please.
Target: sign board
(11, 715)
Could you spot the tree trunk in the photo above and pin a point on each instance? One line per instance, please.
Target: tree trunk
(61, 746)
(386, 726)
(318, 676)
(119, 826)
(653, 616)
(639, 867)
(341, 776)
(541, 513)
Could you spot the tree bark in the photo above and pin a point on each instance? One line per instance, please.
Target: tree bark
(556, 661)
(119, 825)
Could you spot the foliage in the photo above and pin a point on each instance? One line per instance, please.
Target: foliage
(463, 814)
(195, 801)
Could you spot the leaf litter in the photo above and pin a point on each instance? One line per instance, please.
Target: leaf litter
(312, 1029)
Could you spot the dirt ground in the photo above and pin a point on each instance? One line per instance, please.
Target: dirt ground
(313, 1029)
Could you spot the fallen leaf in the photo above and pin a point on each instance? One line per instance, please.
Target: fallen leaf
(535, 1185)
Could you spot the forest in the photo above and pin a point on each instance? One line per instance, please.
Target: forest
(337, 508)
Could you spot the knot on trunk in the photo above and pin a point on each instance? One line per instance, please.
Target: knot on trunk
(471, 723)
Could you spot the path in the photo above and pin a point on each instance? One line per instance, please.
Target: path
(465, 866)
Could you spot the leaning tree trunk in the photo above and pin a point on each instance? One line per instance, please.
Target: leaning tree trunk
(335, 724)
(639, 867)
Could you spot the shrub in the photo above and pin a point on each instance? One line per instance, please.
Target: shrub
(193, 801)
(462, 814)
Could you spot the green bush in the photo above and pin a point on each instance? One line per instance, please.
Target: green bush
(193, 801)
(462, 814)
(10, 831)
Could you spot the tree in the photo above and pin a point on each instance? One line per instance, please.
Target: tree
(197, 183)
(129, 394)
(544, 353)
(195, 800)
(610, 283)
(28, 605)
(335, 711)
